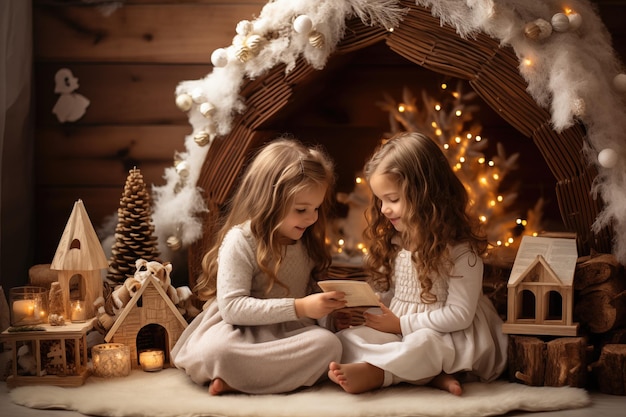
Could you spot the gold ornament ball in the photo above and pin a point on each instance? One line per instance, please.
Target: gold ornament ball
(316, 39)
(174, 243)
(202, 138)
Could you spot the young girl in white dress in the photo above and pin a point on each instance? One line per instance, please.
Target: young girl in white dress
(257, 332)
(425, 250)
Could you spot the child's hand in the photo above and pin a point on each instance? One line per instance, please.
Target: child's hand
(318, 305)
(386, 322)
(348, 317)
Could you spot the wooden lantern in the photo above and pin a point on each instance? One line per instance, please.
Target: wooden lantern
(149, 309)
(78, 260)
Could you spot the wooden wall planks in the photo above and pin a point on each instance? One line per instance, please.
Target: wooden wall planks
(128, 64)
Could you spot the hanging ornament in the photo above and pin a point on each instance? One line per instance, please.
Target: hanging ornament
(575, 21)
(619, 83)
(182, 169)
(244, 28)
(560, 22)
(207, 109)
(316, 39)
(184, 102)
(203, 138)
(607, 158)
(243, 53)
(197, 96)
(174, 243)
(303, 24)
(538, 29)
(579, 107)
(219, 57)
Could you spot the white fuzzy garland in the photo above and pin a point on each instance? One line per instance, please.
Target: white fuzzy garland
(572, 74)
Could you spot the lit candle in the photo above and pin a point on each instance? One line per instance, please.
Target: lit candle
(151, 360)
(78, 314)
(23, 311)
(110, 360)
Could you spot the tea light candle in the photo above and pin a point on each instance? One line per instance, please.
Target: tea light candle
(110, 360)
(151, 360)
(78, 312)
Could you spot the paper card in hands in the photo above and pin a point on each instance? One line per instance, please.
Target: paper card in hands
(358, 293)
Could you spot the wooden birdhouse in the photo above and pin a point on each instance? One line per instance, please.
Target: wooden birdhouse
(79, 260)
(149, 322)
(540, 295)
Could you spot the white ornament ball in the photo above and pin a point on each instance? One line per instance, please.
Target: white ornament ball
(207, 109)
(219, 57)
(560, 22)
(182, 169)
(303, 24)
(184, 101)
(244, 28)
(607, 158)
(575, 21)
(619, 83)
(197, 95)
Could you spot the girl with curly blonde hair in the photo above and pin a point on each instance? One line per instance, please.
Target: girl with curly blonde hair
(258, 333)
(425, 256)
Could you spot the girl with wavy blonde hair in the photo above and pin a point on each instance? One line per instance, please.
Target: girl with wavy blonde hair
(258, 333)
(425, 254)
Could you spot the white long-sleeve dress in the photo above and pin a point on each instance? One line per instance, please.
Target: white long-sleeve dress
(462, 331)
(252, 340)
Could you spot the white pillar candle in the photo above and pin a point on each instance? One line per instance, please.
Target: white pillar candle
(23, 311)
(28, 305)
(151, 360)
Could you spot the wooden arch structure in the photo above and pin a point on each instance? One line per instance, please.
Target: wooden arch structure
(491, 70)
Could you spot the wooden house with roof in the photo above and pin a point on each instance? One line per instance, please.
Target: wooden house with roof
(79, 259)
(150, 320)
(540, 301)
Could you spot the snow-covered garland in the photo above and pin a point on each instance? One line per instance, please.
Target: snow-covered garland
(565, 56)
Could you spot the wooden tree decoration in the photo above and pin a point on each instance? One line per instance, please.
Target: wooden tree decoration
(56, 306)
(134, 234)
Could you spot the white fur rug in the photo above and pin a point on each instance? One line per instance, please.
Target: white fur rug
(170, 393)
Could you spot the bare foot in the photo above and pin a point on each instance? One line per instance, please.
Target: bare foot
(448, 383)
(355, 378)
(218, 386)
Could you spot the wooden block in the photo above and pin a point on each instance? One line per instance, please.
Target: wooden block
(566, 362)
(527, 360)
(610, 369)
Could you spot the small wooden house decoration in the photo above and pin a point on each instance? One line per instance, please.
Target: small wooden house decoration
(150, 321)
(539, 300)
(79, 260)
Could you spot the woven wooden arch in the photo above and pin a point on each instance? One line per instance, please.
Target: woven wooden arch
(491, 70)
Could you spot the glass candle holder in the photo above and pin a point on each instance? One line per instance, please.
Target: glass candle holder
(29, 305)
(78, 312)
(110, 360)
(151, 360)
